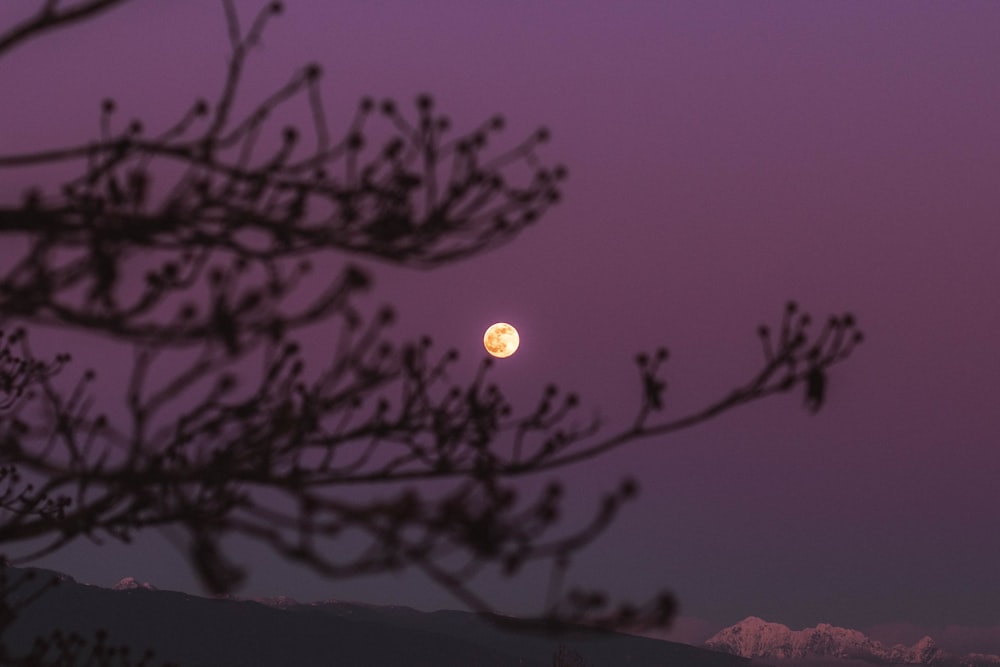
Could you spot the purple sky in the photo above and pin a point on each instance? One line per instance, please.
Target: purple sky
(724, 158)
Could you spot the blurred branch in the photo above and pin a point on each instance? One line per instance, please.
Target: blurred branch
(276, 463)
(195, 248)
(49, 17)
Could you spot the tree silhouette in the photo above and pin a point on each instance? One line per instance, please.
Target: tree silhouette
(193, 246)
(567, 657)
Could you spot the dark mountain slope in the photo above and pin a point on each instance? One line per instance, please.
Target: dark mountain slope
(195, 631)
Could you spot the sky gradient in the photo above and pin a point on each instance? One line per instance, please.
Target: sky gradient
(724, 157)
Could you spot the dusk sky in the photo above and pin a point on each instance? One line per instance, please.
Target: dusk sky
(724, 157)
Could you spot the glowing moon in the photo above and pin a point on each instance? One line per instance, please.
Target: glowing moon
(501, 340)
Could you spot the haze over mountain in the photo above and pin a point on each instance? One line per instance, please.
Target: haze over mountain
(756, 638)
(280, 632)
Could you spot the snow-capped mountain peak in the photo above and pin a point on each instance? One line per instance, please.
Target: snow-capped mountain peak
(131, 583)
(754, 637)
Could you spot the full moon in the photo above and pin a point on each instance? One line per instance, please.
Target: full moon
(501, 340)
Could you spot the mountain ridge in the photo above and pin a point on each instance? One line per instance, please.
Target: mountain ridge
(757, 639)
(190, 631)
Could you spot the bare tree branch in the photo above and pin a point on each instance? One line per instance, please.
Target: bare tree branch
(49, 17)
(194, 247)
